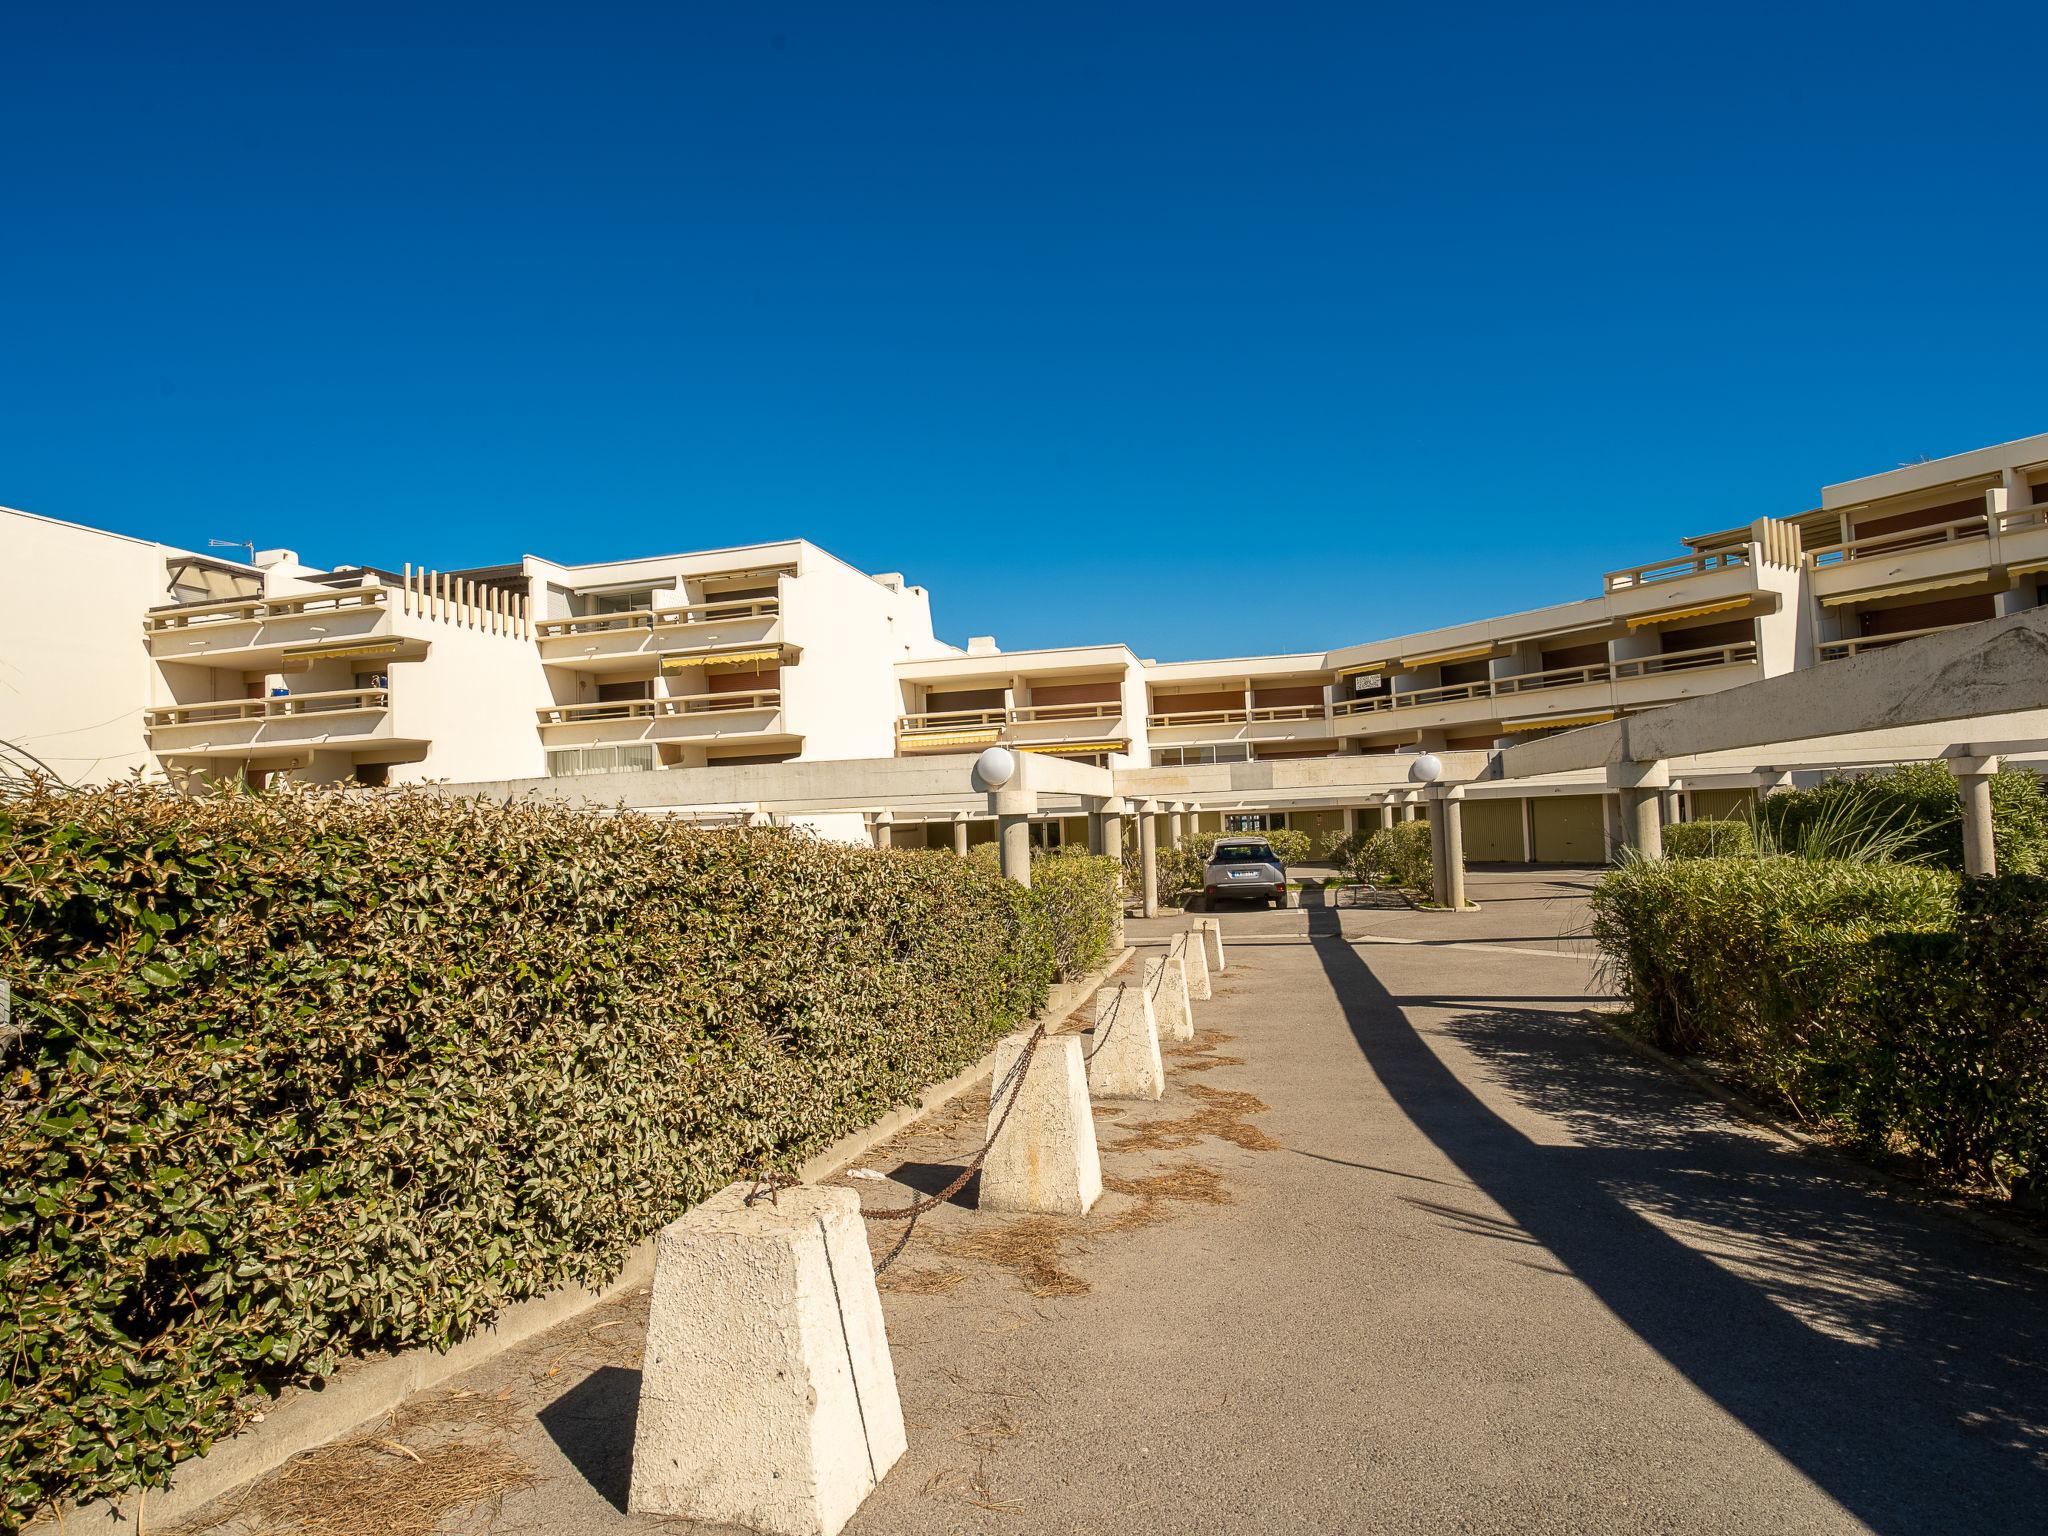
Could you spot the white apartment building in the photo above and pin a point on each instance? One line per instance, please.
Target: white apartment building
(118, 655)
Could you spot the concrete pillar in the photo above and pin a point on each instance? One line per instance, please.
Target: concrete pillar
(960, 836)
(1123, 1054)
(1148, 854)
(1166, 984)
(1437, 855)
(1383, 813)
(1450, 838)
(1043, 1156)
(1642, 786)
(767, 1394)
(1613, 830)
(1528, 823)
(1194, 964)
(1013, 835)
(1211, 930)
(1175, 827)
(885, 829)
(1980, 843)
(1408, 806)
(1350, 819)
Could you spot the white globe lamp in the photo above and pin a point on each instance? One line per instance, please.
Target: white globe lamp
(996, 767)
(1426, 769)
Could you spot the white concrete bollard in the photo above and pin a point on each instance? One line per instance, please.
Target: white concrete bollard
(767, 1395)
(1194, 962)
(1043, 1155)
(1211, 930)
(1123, 1057)
(1166, 984)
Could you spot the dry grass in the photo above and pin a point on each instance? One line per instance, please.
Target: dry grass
(1156, 1195)
(1030, 1249)
(378, 1485)
(1221, 1114)
(498, 1410)
(930, 1280)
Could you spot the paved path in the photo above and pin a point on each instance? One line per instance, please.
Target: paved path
(1458, 1263)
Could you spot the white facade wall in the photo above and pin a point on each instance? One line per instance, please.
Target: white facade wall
(842, 697)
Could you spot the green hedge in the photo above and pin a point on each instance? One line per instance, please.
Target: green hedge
(1905, 1007)
(1914, 813)
(297, 1077)
(1399, 856)
(1708, 839)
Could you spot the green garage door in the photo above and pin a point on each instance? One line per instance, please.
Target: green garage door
(1569, 830)
(1493, 831)
(1720, 804)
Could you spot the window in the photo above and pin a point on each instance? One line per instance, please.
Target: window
(570, 762)
(1175, 757)
(1255, 821)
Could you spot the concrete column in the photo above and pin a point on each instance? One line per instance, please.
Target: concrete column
(1408, 806)
(1528, 820)
(1350, 819)
(1383, 814)
(767, 1394)
(1108, 824)
(885, 829)
(1044, 1156)
(960, 836)
(1175, 827)
(1980, 843)
(1642, 787)
(1449, 838)
(1148, 854)
(1013, 833)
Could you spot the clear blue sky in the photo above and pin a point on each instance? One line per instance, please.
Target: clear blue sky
(1079, 315)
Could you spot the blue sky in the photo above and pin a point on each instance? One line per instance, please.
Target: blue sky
(1078, 315)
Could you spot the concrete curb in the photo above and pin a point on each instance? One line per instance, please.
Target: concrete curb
(1749, 1111)
(364, 1391)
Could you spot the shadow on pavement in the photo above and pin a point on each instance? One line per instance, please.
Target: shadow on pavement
(1900, 1365)
(592, 1425)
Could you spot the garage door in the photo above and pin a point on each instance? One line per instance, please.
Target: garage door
(1570, 830)
(1493, 831)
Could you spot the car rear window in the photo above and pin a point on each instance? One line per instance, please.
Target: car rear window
(1243, 853)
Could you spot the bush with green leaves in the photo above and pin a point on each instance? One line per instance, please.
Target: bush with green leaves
(1077, 907)
(1708, 840)
(293, 1077)
(1907, 814)
(1398, 857)
(1892, 1001)
(1293, 847)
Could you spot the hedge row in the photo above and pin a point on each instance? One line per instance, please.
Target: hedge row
(1911, 814)
(292, 1078)
(1400, 856)
(1906, 1007)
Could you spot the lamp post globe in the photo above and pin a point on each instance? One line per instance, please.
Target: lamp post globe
(1426, 769)
(996, 767)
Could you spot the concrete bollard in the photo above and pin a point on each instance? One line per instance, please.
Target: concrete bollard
(1194, 963)
(1211, 930)
(1042, 1156)
(1166, 984)
(767, 1395)
(1123, 1058)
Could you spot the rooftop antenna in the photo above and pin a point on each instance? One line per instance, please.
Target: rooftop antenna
(234, 544)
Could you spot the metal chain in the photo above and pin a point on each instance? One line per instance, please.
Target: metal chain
(1104, 1031)
(909, 1214)
(768, 1185)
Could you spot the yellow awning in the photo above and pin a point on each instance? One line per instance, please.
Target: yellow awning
(925, 741)
(1905, 589)
(1076, 748)
(1512, 726)
(1469, 653)
(362, 648)
(1362, 670)
(2028, 569)
(1646, 620)
(718, 659)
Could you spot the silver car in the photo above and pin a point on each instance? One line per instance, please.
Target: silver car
(1245, 869)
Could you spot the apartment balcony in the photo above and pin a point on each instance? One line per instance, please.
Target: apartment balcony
(1941, 557)
(296, 722)
(720, 632)
(1840, 650)
(280, 634)
(1304, 723)
(702, 718)
(1531, 699)
(1700, 581)
(1067, 730)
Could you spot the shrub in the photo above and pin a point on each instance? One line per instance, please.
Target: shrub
(1398, 856)
(1077, 905)
(299, 1076)
(1908, 813)
(1293, 847)
(1708, 840)
(1903, 1006)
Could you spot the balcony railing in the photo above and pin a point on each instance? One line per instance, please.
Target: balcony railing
(1237, 716)
(285, 706)
(1838, 650)
(1029, 714)
(1677, 570)
(1555, 677)
(660, 618)
(1961, 530)
(257, 610)
(661, 709)
(2033, 516)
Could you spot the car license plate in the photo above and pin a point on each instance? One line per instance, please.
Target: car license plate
(1244, 874)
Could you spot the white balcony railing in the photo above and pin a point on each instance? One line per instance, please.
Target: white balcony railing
(1741, 654)
(757, 700)
(1962, 530)
(1676, 570)
(1254, 716)
(259, 610)
(1838, 650)
(286, 706)
(657, 619)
